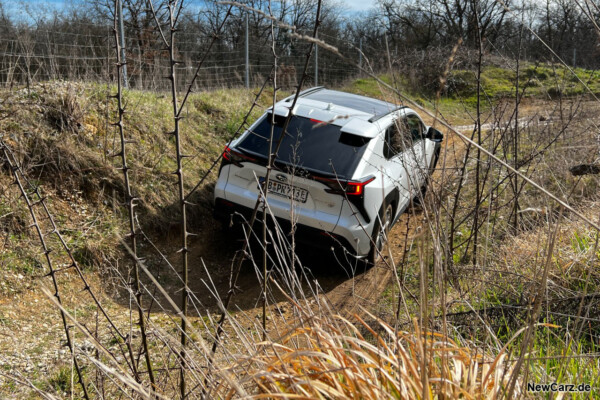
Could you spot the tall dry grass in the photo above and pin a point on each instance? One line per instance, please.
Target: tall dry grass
(328, 356)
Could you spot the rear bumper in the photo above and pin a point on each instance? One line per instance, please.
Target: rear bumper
(229, 212)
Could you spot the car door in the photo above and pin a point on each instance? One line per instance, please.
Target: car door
(419, 168)
(397, 162)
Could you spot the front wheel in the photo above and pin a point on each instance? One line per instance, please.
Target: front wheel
(380, 235)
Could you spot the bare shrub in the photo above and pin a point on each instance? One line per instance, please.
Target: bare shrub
(424, 68)
(65, 112)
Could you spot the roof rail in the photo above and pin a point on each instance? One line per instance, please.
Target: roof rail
(305, 93)
(379, 116)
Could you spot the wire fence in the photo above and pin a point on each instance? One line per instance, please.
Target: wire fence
(43, 55)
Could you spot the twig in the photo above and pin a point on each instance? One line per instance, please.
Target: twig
(130, 202)
(250, 224)
(16, 170)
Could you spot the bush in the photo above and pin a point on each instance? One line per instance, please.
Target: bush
(426, 69)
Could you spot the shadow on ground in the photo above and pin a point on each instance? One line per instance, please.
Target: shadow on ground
(213, 254)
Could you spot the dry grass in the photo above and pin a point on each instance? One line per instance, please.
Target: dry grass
(316, 353)
(329, 356)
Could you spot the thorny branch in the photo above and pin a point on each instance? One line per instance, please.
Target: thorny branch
(272, 157)
(130, 202)
(73, 264)
(174, 10)
(19, 178)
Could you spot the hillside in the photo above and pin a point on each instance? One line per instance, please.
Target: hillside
(449, 303)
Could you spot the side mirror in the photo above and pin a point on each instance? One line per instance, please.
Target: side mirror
(434, 134)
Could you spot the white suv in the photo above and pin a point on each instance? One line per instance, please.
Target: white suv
(347, 167)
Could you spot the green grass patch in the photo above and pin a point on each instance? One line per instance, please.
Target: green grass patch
(536, 81)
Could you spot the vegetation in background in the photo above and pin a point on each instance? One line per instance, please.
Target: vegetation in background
(544, 81)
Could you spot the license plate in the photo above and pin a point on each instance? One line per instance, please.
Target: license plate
(285, 190)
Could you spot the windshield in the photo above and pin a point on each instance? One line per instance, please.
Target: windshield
(308, 145)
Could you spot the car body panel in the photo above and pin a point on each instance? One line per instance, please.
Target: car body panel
(321, 210)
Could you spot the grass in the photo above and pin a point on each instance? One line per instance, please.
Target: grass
(505, 276)
(70, 150)
(453, 109)
(535, 81)
(334, 357)
(318, 353)
(564, 360)
(61, 382)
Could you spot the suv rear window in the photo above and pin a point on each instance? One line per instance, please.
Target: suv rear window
(308, 145)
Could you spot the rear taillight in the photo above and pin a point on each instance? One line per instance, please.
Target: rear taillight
(227, 153)
(225, 203)
(358, 188)
(235, 157)
(353, 191)
(348, 188)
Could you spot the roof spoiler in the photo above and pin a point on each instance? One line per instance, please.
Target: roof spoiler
(282, 110)
(304, 93)
(379, 116)
(361, 128)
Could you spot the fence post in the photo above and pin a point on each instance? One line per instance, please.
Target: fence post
(247, 55)
(316, 64)
(122, 40)
(387, 52)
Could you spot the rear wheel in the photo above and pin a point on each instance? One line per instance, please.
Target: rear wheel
(380, 234)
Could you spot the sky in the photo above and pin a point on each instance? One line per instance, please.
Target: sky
(359, 5)
(16, 7)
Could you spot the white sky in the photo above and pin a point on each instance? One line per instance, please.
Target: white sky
(16, 9)
(359, 5)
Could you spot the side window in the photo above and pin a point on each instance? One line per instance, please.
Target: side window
(388, 150)
(398, 138)
(416, 127)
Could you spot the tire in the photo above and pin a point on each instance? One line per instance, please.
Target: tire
(379, 236)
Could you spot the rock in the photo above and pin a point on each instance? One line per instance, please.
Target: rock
(584, 169)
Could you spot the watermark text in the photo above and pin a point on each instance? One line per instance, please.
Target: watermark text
(559, 387)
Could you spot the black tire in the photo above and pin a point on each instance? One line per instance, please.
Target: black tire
(379, 236)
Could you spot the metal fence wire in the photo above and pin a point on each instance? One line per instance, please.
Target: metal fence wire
(34, 55)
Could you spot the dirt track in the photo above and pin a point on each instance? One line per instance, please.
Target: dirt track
(215, 249)
(344, 290)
